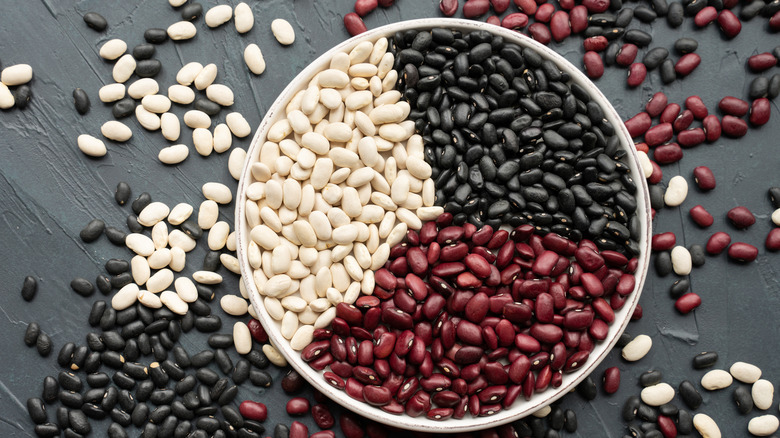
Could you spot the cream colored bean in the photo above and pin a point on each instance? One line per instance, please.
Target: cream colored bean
(253, 57)
(186, 76)
(182, 30)
(637, 348)
(140, 270)
(217, 235)
(333, 78)
(116, 131)
(140, 244)
(676, 191)
(217, 192)
(156, 103)
(264, 236)
(706, 426)
(172, 301)
(429, 213)
(289, 324)
(178, 259)
(149, 299)
(111, 49)
(764, 425)
(274, 356)
(111, 92)
(177, 238)
(206, 277)
(149, 120)
(91, 146)
(153, 213)
(242, 338)
(236, 162)
(763, 392)
(206, 77)
(197, 119)
(658, 394)
(361, 52)
(142, 88)
(397, 234)
(745, 372)
(186, 289)
(203, 141)
(170, 126)
(681, 261)
(220, 94)
(244, 18)
(208, 214)
(125, 297)
(238, 124)
(283, 31)
(279, 130)
(303, 337)
(716, 379)
(222, 138)
(218, 15)
(233, 305)
(159, 281)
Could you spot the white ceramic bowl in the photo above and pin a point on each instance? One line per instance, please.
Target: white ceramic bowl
(521, 407)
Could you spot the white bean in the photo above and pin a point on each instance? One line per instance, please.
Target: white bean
(187, 75)
(763, 392)
(745, 372)
(637, 348)
(283, 31)
(91, 146)
(111, 92)
(182, 30)
(220, 94)
(676, 191)
(763, 425)
(170, 126)
(218, 15)
(111, 49)
(205, 77)
(244, 18)
(173, 154)
(706, 426)
(143, 87)
(116, 131)
(124, 68)
(716, 379)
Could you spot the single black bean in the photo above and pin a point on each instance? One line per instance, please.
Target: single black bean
(150, 430)
(684, 422)
(663, 263)
(92, 230)
(95, 342)
(92, 363)
(191, 228)
(241, 371)
(679, 287)
(668, 74)
(143, 51)
(207, 106)
(669, 409)
(570, 421)
(207, 376)
(155, 36)
(655, 57)
(123, 380)
(32, 333)
(29, 288)
(115, 236)
(643, 13)
(698, 256)
(116, 431)
(630, 407)
(159, 414)
(156, 327)
(743, 399)
(623, 340)
(174, 331)
(774, 87)
(103, 284)
(232, 416)
(140, 414)
(686, 45)
(123, 108)
(117, 266)
(254, 426)
(223, 361)
(108, 320)
(47, 430)
(148, 68)
(281, 431)
(22, 96)
(50, 389)
(110, 398)
(168, 426)
(162, 396)
(751, 10)
(181, 412)
(260, 378)
(200, 433)
(257, 358)
(173, 370)
(95, 21)
(37, 410)
(218, 388)
(98, 380)
(112, 359)
(202, 359)
(121, 280)
(185, 385)
(71, 399)
(191, 400)
(94, 411)
(141, 202)
(646, 413)
(43, 344)
(650, 378)
(705, 359)
(136, 370)
(205, 293)
(70, 381)
(113, 341)
(587, 389)
(181, 357)
(211, 261)
(121, 417)
(82, 286)
(207, 324)
(690, 395)
(132, 329)
(81, 101)
(759, 87)
(191, 11)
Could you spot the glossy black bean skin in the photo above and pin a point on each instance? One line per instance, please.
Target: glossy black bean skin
(139, 414)
(663, 263)
(207, 106)
(679, 287)
(141, 202)
(103, 284)
(650, 378)
(47, 430)
(208, 324)
(116, 431)
(29, 288)
(148, 68)
(690, 395)
(155, 36)
(654, 57)
(257, 358)
(759, 87)
(202, 359)
(686, 45)
(743, 400)
(44, 344)
(668, 75)
(121, 417)
(698, 256)
(173, 370)
(82, 286)
(241, 372)
(66, 354)
(587, 389)
(223, 361)
(143, 51)
(22, 96)
(123, 108)
(773, 90)
(37, 410)
(191, 228)
(31, 334)
(281, 431)
(705, 359)
(260, 378)
(81, 101)
(95, 21)
(70, 381)
(191, 11)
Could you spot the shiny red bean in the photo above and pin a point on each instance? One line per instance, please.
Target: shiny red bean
(667, 154)
(494, 20)
(596, 6)
(742, 252)
(377, 395)
(544, 13)
(350, 425)
(559, 26)
(354, 25)
(578, 17)
(663, 241)
(526, 6)
(363, 7)
(448, 7)
(733, 127)
(773, 240)
(500, 6)
(733, 106)
(298, 429)
(717, 243)
(627, 54)
(636, 74)
(253, 410)
(704, 178)
(475, 8)
(705, 16)
(687, 302)
(595, 43)
(540, 32)
(297, 406)
(656, 104)
(712, 127)
(594, 66)
(667, 426)
(639, 124)
(760, 110)
(691, 137)
(515, 20)
(611, 380)
(670, 113)
(659, 134)
(687, 64)
(741, 217)
(762, 61)
(257, 331)
(729, 23)
(697, 107)
(683, 121)
(701, 216)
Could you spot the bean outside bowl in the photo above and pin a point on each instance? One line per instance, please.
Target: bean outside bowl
(521, 407)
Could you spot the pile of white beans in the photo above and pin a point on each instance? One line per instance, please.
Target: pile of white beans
(337, 183)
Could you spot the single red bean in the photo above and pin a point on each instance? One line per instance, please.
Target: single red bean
(683, 121)
(540, 32)
(363, 7)
(687, 302)
(334, 380)
(733, 127)
(705, 16)
(576, 360)
(656, 104)
(691, 137)
(298, 429)
(566, 4)
(257, 331)
(253, 410)
(742, 252)
(500, 6)
(544, 13)
(515, 20)
(625, 285)
(701, 216)
(494, 20)
(578, 17)
(762, 61)
(773, 240)
(741, 217)
(418, 404)
(687, 64)
(297, 406)
(526, 6)
(667, 154)
(386, 3)
(659, 134)
(377, 395)
(733, 106)
(595, 43)
(611, 380)
(627, 54)
(596, 6)
(354, 24)
(667, 427)
(729, 23)
(774, 22)
(760, 111)
(475, 8)
(559, 26)
(717, 243)
(670, 113)
(594, 66)
(639, 124)
(636, 74)
(704, 178)
(448, 8)
(323, 434)
(638, 312)
(697, 107)
(350, 425)
(712, 127)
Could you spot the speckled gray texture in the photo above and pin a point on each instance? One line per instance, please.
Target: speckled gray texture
(49, 190)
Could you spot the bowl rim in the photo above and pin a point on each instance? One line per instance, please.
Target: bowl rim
(521, 408)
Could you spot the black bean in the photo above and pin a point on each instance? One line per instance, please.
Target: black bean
(140, 414)
(173, 370)
(661, 7)
(22, 95)
(207, 376)
(156, 327)
(150, 430)
(159, 414)
(569, 421)
(181, 357)
(759, 87)
(207, 324)
(29, 288)
(81, 101)
(95, 342)
(686, 45)
(185, 385)
(655, 57)
(698, 257)
(136, 370)
(668, 74)
(281, 431)
(743, 399)
(70, 381)
(241, 372)
(31, 334)
(663, 263)
(260, 378)
(115, 236)
(181, 412)
(119, 416)
(155, 36)
(116, 431)
(121, 280)
(218, 388)
(646, 413)
(643, 13)
(62, 417)
(123, 380)
(191, 11)
(126, 316)
(94, 411)
(82, 286)
(117, 266)
(37, 410)
(47, 430)
(141, 202)
(131, 352)
(143, 52)
(253, 426)
(669, 409)
(690, 395)
(774, 87)
(202, 359)
(50, 389)
(679, 287)
(123, 108)
(200, 433)
(148, 68)
(630, 407)
(684, 422)
(95, 21)
(191, 228)
(207, 106)
(92, 230)
(705, 359)
(109, 399)
(587, 389)
(108, 320)
(650, 378)
(751, 10)
(66, 354)
(162, 396)
(43, 344)
(223, 361)
(220, 340)
(71, 399)
(132, 329)
(191, 400)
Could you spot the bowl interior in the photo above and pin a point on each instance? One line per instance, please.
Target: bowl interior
(521, 407)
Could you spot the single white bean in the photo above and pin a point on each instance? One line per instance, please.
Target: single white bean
(244, 18)
(173, 154)
(182, 30)
(116, 131)
(763, 392)
(91, 146)
(763, 425)
(283, 31)
(745, 372)
(676, 191)
(706, 426)
(111, 49)
(637, 348)
(218, 15)
(253, 57)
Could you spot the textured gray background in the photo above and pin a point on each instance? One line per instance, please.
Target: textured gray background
(49, 190)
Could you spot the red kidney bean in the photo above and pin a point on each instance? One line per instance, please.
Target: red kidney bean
(704, 178)
(705, 16)
(363, 7)
(656, 104)
(323, 434)
(627, 54)
(595, 43)
(257, 331)
(667, 154)
(687, 302)
(475, 8)
(297, 406)
(494, 20)
(448, 7)
(683, 121)
(576, 360)
(670, 113)
(515, 20)
(594, 66)
(687, 64)
(773, 240)
(733, 106)
(596, 6)
(760, 111)
(544, 13)
(611, 381)
(701, 216)
(540, 32)
(253, 410)
(741, 217)
(578, 17)
(526, 6)
(729, 23)
(636, 74)
(742, 252)
(559, 26)
(333, 379)
(377, 395)
(354, 24)
(639, 124)
(667, 426)
(386, 3)
(659, 134)
(762, 61)
(733, 127)
(298, 429)
(774, 22)
(350, 425)
(500, 6)
(642, 147)
(697, 107)
(712, 127)
(691, 137)
(717, 243)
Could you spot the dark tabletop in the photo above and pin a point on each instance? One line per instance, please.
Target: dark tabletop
(49, 190)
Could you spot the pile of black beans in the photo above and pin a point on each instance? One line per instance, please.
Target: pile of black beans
(512, 141)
